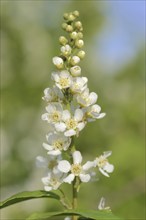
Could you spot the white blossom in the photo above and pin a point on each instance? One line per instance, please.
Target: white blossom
(50, 164)
(75, 169)
(75, 60)
(86, 99)
(54, 113)
(52, 181)
(79, 84)
(52, 94)
(71, 125)
(104, 166)
(93, 112)
(62, 79)
(57, 142)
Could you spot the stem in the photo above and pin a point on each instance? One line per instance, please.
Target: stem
(75, 194)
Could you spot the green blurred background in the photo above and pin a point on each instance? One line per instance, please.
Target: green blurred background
(114, 35)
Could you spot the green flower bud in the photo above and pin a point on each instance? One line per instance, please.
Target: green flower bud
(63, 40)
(64, 25)
(80, 35)
(81, 54)
(75, 60)
(78, 25)
(65, 16)
(74, 35)
(79, 43)
(69, 28)
(71, 17)
(76, 13)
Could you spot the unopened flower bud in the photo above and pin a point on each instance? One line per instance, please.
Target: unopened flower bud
(63, 40)
(76, 13)
(81, 54)
(71, 17)
(66, 50)
(65, 16)
(74, 60)
(69, 28)
(80, 35)
(64, 25)
(75, 70)
(58, 62)
(78, 25)
(79, 43)
(74, 35)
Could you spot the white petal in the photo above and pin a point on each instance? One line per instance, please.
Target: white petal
(54, 152)
(85, 177)
(103, 172)
(81, 125)
(107, 153)
(88, 165)
(70, 133)
(48, 188)
(77, 157)
(46, 180)
(109, 167)
(64, 166)
(45, 117)
(55, 76)
(41, 162)
(50, 108)
(47, 146)
(66, 115)
(102, 115)
(69, 178)
(60, 127)
(96, 108)
(101, 205)
(78, 115)
(93, 97)
(64, 74)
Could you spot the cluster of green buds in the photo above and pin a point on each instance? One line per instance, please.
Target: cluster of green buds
(71, 49)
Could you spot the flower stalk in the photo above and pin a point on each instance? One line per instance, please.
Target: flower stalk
(69, 107)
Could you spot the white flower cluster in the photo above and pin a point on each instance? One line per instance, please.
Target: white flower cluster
(70, 105)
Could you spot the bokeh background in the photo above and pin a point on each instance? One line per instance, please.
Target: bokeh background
(114, 34)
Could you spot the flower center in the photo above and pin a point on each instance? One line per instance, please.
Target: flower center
(58, 145)
(76, 169)
(64, 82)
(102, 161)
(53, 181)
(71, 124)
(56, 116)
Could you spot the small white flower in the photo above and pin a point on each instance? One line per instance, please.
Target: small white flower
(58, 62)
(54, 113)
(62, 79)
(75, 169)
(75, 71)
(104, 166)
(101, 205)
(71, 125)
(52, 181)
(93, 112)
(86, 99)
(50, 164)
(52, 94)
(79, 84)
(66, 50)
(75, 60)
(56, 143)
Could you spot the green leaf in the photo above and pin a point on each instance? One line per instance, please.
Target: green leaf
(23, 196)
(89, 214)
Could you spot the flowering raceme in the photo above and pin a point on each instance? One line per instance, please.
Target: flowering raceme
(69, 107)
